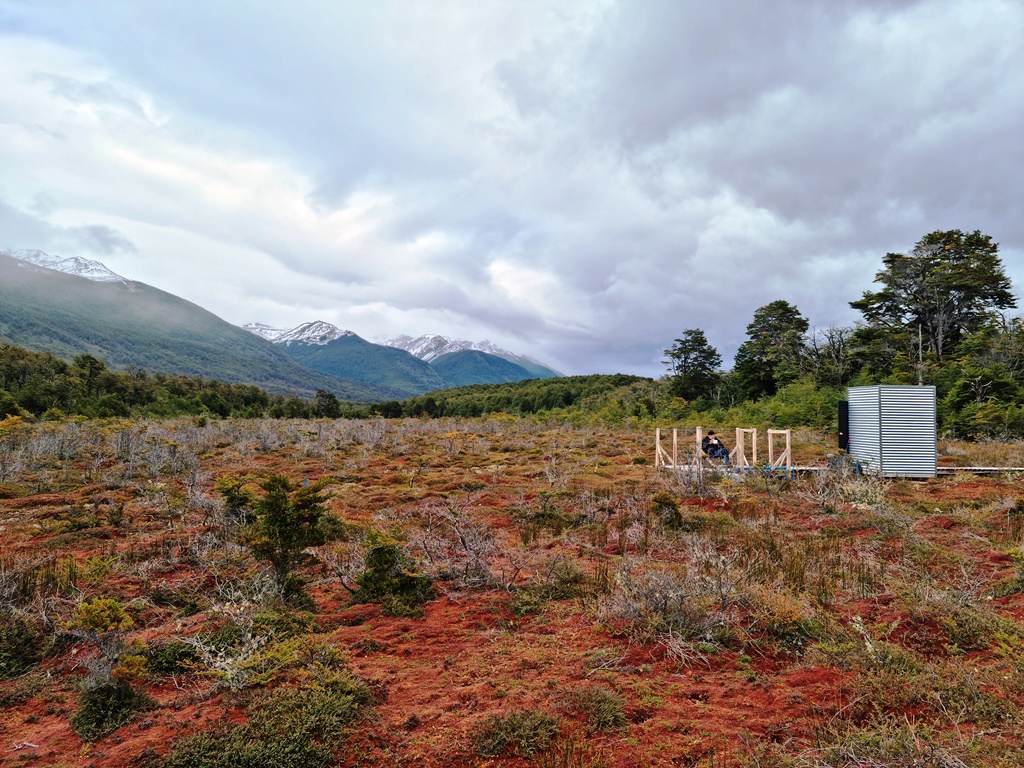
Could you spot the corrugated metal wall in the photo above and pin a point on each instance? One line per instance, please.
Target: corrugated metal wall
(865, 426)
(892, 428)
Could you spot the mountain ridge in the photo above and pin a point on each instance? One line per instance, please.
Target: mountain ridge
(130, 324)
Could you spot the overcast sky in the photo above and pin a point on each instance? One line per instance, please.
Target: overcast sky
(578, 181)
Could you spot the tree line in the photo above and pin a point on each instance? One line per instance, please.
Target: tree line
(38, 384)
(937, 317)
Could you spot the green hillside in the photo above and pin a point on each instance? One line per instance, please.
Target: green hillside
(474, 367)
(536, 370)
(138, 326)
(386, 369)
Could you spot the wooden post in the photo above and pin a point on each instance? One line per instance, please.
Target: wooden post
(657, 448)
(675, 448)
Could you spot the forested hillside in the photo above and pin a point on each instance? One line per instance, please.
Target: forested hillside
(34, 384)
(136, 325)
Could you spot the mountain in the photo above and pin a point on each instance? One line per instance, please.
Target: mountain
(471, 366)
(326, 348)
(73, 265)
(429, 347)
(318, 333)
(263, 331)
(126, 323)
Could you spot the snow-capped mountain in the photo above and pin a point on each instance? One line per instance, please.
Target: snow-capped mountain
(431, 346)
(263, 330)
(317, 332)
(428, 348)
(72, 265)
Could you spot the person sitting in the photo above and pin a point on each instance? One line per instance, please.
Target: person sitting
(713, 447)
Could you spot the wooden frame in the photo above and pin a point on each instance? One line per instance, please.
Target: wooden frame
(738, 455)
(746, 439)
(786, 457)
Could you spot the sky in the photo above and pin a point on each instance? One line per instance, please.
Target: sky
(580, 181)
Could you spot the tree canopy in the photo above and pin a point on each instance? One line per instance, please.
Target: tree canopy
(774, 351)
(693, 364)
(946, 288)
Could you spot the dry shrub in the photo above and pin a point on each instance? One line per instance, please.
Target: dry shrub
(603, 709)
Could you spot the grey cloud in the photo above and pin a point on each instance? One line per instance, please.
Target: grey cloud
(21, 230)
(96, 93)
(98, 239)
(667, 164)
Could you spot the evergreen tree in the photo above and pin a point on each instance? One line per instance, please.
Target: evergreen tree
(774, 352)
(947, 287)
(287, 523)
(693, 364)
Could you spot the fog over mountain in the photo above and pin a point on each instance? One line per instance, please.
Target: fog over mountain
(578, 182)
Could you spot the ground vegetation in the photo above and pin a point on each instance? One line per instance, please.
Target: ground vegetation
(497, 590)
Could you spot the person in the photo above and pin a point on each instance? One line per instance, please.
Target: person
(713, 447)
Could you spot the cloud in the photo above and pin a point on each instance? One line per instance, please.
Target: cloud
(578, 182)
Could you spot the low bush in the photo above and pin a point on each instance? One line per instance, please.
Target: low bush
(521, 733)
(604, 710)
(21, 645)
(105, 708)
(170, 658)
(288, 728)
(391, 578)
(558, 579)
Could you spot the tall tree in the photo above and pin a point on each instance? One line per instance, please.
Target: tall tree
(947, 287)
(774, 352)
(693, 365)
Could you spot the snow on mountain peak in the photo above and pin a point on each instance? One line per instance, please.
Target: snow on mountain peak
(72, 265)
(431, 346)
(263, 330)
(317, 332)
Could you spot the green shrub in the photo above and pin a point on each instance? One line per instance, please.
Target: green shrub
(284, 624)
(171, 658)
(521, 732)
(558, 579)
(105, 708)
(287, 729)
(603, 709)
(391, 578)
(573, 752)
(21, 646)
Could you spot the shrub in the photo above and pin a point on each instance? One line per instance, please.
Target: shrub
(106, 707)
(603, 709)
(557, 579)
(287, 524)
(102, 622)
(289, 728)
(573, 752)
(521, 732)
(390, 577)
(20, 646)
(170, 658)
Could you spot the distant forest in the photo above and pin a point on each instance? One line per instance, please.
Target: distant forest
(938, 317)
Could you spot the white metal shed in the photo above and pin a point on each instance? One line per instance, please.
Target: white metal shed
(892, 429)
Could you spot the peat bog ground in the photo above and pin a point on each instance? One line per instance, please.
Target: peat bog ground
(495, 591)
